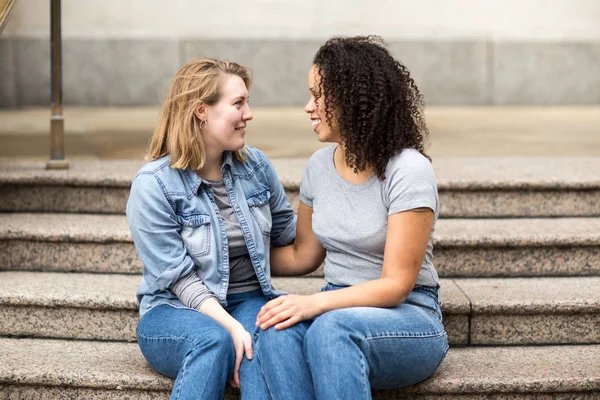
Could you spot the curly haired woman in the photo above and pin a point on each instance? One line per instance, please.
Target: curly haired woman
(368, 208)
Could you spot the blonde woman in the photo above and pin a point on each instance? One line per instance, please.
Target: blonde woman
(203, 214)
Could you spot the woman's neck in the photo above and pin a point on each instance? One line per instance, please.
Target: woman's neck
(346, 171)
(212, 167)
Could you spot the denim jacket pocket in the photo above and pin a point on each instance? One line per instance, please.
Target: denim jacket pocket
(261, 210)
(196, 233)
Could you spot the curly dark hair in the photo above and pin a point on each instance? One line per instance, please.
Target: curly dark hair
(374, 100)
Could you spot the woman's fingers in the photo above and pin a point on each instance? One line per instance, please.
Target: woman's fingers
(277, 318)
(248, 347)
(267, 307)
(289, 322)
(243, 346)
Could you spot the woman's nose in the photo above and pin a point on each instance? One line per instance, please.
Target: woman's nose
(248, 114)
(310, 106)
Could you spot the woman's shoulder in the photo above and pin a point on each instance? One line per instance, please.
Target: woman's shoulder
(155, 166)
(158, 173)
(321, 156)
(410, 162)
(409, 158)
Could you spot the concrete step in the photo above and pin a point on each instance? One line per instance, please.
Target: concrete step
(476, 311)
(462, 247)
(103, 306)
(34, 368)
(468, 187)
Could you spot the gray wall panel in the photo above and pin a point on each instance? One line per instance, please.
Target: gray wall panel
(447, 73)
(546, 73)
(142, 70)
(33, 71)
(8, 91)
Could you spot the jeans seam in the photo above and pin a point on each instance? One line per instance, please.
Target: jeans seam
(405, 335)
(366, 383)
(182, 378)
(256, 346)
(168, 337)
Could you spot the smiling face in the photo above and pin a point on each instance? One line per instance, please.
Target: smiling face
(226, 120)
(315, 108)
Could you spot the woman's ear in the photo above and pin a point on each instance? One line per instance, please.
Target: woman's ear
(200, 111)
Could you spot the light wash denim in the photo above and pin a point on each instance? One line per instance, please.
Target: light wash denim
(198, 352)
(177, 230)
(176, 226)
(343, 354)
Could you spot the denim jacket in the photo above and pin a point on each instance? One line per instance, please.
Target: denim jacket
(177, 229)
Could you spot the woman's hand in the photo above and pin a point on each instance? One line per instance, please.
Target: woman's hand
(286, 311)
(242, 342)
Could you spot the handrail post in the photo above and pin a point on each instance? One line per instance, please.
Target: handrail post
(57, 127)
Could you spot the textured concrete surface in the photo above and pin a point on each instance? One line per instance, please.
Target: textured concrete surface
(103, 306)
(124, 132)
(65, 227)
(36, 255)
(519, 203)
(468, 187)
(462, 247)
(452, 173)
(476, 311)
(502, 261)
(461, 203)
(469, 371)
(47, 198)
(533, 311)
(522, 232)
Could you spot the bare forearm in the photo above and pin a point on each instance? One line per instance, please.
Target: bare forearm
(286, 261)
(383, 292)
(213, 309)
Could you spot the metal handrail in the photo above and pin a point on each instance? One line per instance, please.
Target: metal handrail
(57, 127)
(5, 8)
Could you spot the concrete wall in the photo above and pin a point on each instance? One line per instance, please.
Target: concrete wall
(119, 52)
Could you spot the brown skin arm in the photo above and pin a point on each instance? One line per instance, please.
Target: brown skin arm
(406, 243)
(302, 257)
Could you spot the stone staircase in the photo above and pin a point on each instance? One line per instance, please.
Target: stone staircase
(517, 247)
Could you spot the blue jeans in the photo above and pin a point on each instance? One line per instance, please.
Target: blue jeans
(344, 353)
(198, 352)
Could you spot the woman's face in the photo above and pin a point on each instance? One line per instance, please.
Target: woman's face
(226, 120)
(315, 108)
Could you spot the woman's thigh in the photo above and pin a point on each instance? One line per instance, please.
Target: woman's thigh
(402, 345)
(166, 335)
(246, 308)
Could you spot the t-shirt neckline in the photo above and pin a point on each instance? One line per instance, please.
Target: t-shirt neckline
(340, 180)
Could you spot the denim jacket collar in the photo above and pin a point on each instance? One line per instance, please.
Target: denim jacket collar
(194, 180)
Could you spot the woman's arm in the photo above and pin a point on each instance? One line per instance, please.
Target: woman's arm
(305, 255)
(406, 243)
(159, 244)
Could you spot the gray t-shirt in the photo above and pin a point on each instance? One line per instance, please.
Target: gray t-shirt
(191, 290)
(350, 220)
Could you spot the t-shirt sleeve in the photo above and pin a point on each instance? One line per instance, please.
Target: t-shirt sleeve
(306, 183)
(411, 184)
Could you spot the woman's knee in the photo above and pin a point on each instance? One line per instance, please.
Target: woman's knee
(273, 340)
(329, 330)
(168, 354)
(216, 340)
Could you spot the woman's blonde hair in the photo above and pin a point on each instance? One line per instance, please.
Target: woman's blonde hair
(179, 131)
